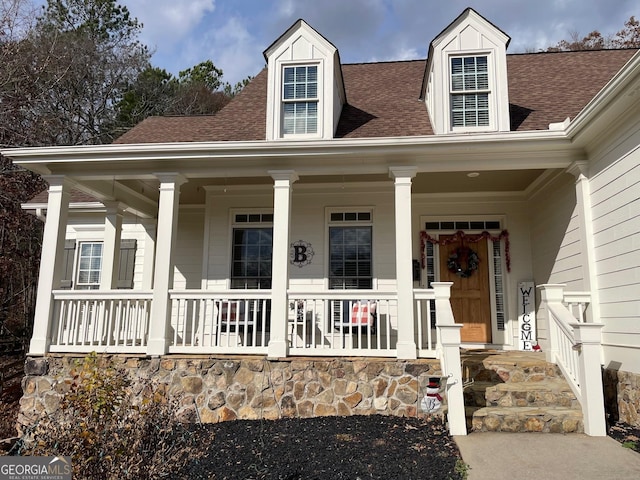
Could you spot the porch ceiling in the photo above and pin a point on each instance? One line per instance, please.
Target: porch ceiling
(489, 181)
(142, 194)
(193, 192)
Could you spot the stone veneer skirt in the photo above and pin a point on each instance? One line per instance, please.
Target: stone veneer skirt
(212, 390)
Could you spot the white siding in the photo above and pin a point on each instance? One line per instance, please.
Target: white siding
(615, 199)
(187, 256)
(555, 235)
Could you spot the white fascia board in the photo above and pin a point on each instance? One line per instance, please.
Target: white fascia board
(178, 150)
(552, 148)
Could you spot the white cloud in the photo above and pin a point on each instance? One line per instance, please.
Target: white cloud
(167, 22)
(230, 46)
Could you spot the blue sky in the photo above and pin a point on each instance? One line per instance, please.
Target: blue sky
(234, 33)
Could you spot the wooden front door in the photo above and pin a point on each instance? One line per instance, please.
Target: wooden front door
(470, 296)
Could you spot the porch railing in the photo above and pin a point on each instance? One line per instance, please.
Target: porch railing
(427, 339)
(101, 321)
(319, 323)
(335, 322)
(575, 347)
(231, 321)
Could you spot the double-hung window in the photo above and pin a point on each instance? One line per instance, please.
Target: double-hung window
(89, 266)
(300, 100)
(469, 91)
(252, 251)
(350, 251)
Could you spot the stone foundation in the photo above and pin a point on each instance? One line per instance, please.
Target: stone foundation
(217, 389)
(622, 396)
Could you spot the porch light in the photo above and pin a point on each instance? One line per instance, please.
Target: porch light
(473, 174)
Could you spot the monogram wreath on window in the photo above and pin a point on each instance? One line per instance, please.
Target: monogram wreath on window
(463, 262)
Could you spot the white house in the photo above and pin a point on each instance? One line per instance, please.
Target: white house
(248, 232)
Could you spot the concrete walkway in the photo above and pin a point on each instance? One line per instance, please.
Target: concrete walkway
(548, 456)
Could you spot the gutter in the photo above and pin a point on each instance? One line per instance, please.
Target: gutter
(160, 151)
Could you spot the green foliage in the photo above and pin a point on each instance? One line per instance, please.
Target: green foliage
(101, 20)
(96, 391)
(205, 73)
(152, 93)
(462, 469)
(232, 91)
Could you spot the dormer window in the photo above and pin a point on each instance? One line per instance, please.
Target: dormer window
(300, 100)
(469, 91)
(305, 93)
(465, 85)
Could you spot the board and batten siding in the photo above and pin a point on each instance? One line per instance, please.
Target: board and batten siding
(615, 206)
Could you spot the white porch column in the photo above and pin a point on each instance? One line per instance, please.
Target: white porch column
(449, 340)
(50, 262)
(111, 247)
(589, 338)
(583, 206)
(163, 275)
(406, 346)
(283, 179)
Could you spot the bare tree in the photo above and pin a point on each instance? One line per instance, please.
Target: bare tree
(628, 37)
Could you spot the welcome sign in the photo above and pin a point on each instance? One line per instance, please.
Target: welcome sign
(526, 316)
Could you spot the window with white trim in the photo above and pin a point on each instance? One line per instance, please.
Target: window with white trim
(89, 266)
(300, 100)
(350, 250)
(252, 250)
(469, 91)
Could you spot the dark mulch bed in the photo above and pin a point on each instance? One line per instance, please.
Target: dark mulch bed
(329, 448)
(627, 435)
(10, 393)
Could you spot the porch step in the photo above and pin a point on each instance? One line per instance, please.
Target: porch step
(545, 393)
(517, 392)
(527, 419)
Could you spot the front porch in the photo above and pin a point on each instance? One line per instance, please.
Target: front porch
(219, 277)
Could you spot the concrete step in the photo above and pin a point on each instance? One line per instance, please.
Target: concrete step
(527, 419)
